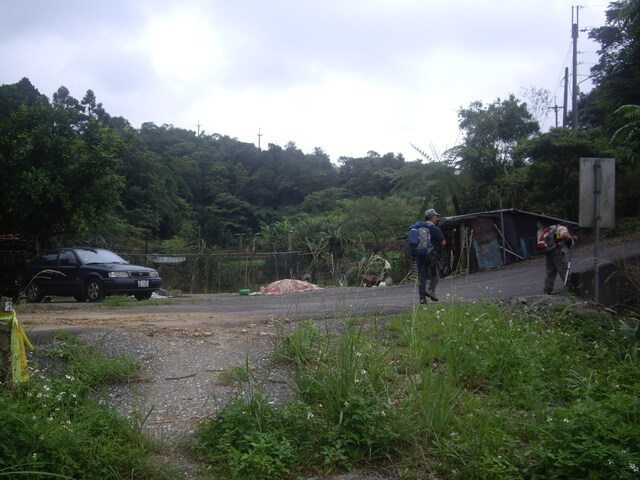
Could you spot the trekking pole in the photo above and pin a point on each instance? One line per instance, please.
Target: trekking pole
(566, 277)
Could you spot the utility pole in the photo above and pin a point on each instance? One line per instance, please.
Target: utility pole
(259, 135)
(566, 96)
(555, 108)
(574, 36)
(198, 128)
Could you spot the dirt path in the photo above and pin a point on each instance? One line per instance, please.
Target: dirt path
(182, 355)
(183, 362)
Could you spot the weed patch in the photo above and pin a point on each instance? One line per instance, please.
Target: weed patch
(58, 426)
(462, 391)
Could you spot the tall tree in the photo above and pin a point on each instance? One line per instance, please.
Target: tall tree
(616, 75)
(430, 185)
(376, 220)
(486, 155)
(18, 94)
(61, 172)
(554, 170)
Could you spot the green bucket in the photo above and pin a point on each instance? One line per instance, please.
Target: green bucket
(245, 291)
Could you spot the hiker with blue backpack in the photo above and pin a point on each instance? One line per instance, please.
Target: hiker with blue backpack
(425, 239)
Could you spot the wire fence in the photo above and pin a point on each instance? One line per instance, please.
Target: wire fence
(231, 272)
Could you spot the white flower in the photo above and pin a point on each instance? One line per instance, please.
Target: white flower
(309, 415)
(565, 420)
(633, 467)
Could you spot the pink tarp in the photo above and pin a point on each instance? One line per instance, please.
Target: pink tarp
(287, 286)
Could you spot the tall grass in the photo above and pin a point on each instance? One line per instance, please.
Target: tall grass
(57, 426)
(455, 391)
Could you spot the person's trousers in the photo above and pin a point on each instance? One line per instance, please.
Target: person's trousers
(427, 268)
(557, 264)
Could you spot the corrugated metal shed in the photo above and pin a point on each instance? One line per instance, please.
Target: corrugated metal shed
(486, 240)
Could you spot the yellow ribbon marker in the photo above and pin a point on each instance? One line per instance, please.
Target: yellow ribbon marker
(19, 371)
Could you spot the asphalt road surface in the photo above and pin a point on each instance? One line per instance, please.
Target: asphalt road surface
(522, 279)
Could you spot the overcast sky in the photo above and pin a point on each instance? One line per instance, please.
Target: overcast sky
(348, 76)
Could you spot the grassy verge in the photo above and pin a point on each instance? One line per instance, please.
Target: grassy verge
(479, 391)
(455, 391)
(59, 427)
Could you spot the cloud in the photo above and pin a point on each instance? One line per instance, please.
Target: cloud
(346, 76)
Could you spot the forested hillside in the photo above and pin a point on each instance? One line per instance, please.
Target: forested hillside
(73, 173)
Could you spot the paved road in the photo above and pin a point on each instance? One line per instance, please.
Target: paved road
(523, 279)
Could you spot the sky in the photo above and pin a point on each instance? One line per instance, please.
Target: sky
(346, 76)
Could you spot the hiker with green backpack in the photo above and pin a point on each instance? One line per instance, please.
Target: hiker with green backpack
(423, 239)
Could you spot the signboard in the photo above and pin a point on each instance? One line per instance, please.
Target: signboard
(597, 195)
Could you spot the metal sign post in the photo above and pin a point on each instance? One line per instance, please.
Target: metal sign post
(597, 181)
(597, 205)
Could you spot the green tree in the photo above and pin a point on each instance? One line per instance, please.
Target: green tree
(629, 133)
(434, 184)
(18, 94)
(486, 155)
(375, 220)
(61, 171)
(616, 76)
(554, 170)
(323, 201)
(154, 198)
(371, 176)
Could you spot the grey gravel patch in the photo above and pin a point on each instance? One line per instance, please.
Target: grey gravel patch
(180, 385)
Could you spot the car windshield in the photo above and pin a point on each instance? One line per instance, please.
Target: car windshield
(99, 256)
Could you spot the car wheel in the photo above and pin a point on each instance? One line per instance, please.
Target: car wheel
(143, 296)
(94, 291)
(33, 293)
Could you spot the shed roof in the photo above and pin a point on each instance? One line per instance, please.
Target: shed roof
(446, 221)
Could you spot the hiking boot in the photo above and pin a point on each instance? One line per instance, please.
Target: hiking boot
(548, 291)
(423, 299)
(432, 295)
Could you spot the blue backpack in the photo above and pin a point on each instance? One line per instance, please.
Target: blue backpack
(419, 239)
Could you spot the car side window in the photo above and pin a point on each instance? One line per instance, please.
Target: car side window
(49, 259)
(67, 258)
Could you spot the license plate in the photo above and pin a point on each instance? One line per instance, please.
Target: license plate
(143, 283)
